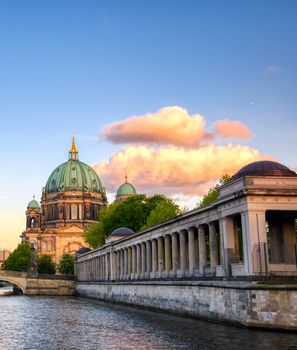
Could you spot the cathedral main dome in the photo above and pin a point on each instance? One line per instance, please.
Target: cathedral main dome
(73, 175)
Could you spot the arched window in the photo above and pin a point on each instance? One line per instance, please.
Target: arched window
(33, 223)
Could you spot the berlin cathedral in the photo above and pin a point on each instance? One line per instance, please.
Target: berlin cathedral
(71, 201)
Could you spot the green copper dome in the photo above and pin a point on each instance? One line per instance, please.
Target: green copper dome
(74, 175)
(126, 189)
(33, 204)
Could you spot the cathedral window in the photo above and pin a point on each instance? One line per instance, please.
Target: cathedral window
(73, 211)
(33, 223)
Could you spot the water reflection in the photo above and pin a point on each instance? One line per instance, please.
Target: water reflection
(75, 323)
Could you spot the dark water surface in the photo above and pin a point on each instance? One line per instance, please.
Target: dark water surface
(76, 323)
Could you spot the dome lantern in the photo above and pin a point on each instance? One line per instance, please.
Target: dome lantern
(73, 153)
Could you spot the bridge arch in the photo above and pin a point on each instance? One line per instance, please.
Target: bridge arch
(19, 281)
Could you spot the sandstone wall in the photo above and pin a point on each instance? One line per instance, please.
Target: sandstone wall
(37, 286)
(247, 304)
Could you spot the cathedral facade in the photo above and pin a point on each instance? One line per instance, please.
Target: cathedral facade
(71, 201)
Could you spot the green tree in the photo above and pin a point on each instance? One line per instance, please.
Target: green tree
(166, 209)
(94, 235)
(132, 213)
(213, 193)
(46, 265)
(66, 265)
(19, 259)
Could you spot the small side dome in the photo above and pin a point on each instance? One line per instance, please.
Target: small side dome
(122, 232)
(264, 168)
(82, 250)
(33, 204)
(126, 189)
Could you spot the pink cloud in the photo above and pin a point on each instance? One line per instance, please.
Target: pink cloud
(170, 152)
(232, 128)
(171, 169)
(170, 125)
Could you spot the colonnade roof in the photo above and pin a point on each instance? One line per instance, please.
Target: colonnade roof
(264, 168)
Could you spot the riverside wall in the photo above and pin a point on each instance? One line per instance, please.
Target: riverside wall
(242, 303)
(43, 286)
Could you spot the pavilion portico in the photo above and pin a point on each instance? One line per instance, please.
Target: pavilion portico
(249, 231)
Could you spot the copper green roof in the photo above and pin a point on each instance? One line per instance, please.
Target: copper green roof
(33, 204)
(74, 175)
(126, 189)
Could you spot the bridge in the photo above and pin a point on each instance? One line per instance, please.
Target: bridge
(41, 284)
(17, 278)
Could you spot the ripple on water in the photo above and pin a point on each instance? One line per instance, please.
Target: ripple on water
(75, 323)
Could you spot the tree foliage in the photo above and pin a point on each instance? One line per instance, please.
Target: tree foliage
(66, 265)
(46, 265)
(164, 210)
(132, 213)
(19, 259)
(213, 193)
(94, 235)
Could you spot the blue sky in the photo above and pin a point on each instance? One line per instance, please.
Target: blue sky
(79, 65)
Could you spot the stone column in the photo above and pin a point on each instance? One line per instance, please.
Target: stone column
(103, 267)
(129, 263)
(175, 255)
(148, 258)
(254, 238)
(122, 264)
(112, 266)
(183, 252)
(134, 263)
(143, 259)
(138, 260)
(227, 243)
(213, 247)
(202, 249)
(192, 251)
(168, 257)
(106, 267)
(160, 256)
(98, 263)
(99, 268)
(154, 258)
(125, 263)
(118, 263)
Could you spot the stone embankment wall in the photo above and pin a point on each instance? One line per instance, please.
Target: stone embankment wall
(38, 286)
(242, 303)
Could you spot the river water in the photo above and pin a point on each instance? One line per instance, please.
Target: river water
(75, 323)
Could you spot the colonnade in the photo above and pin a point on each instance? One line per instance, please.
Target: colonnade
(190, 252)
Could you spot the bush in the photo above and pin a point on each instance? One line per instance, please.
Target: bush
(46, 265)
(66, 265)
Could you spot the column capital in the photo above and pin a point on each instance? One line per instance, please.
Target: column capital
(201, 228)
